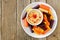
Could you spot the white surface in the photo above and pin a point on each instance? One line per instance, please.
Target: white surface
(27, 30)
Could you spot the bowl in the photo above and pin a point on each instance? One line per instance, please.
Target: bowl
(27, 30)
(39, 13)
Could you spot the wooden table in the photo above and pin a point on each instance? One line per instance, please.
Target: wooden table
(10, 26)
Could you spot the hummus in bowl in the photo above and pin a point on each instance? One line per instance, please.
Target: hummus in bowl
(34, 17)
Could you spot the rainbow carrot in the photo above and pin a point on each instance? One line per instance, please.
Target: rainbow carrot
(44, 7)
(38, 30)
(25, 22)
(46, 20)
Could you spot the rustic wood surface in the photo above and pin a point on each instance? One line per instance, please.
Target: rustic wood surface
(10, 26)
(9, 20)
(0, 19)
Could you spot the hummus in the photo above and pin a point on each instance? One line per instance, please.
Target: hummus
(34, 17)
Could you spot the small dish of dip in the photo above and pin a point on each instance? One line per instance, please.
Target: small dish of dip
(34, 17)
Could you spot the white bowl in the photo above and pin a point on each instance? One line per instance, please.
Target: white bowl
(27, 30)
(40, 15)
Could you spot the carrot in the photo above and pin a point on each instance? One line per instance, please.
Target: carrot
(41, 30)
(25, 22)
(47, 26)
(51, 17)
(38, 30)
(35, 31)
(43, 10)
(34, 27)
(46, 20)
(46, 23)
(44, 7)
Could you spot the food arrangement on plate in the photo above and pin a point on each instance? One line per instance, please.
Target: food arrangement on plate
(39, 19)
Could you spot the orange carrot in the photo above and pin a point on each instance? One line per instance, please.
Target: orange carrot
(34, 26)
(47, 26)
(25, 22)
(44, 7)
(38, 30)
(51, 17)
(41, 30)
(46, 20)
(35, 31)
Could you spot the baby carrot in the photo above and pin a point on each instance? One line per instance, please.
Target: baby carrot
(51, 17)
(25, 22)
(46, 20)
(47, 26)
(44, 7)
(38, 30)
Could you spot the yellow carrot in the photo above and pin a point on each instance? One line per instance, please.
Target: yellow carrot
(51, 17)
(47, 26)
(46, 20)
(38, 30)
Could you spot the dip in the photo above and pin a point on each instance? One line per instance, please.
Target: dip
(34, 17)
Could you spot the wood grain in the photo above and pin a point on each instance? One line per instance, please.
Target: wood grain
(32, 1)
(0, 19)
(9, 20)
(56, 5)
(40, 0)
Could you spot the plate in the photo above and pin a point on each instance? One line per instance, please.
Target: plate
(27, 30)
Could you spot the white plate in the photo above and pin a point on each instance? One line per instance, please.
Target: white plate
(27, 30)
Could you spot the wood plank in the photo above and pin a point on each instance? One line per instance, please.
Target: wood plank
(56, 5)
(9, 22)
(21, 4)
(0, 19)
(40, 0)
(32, 1)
